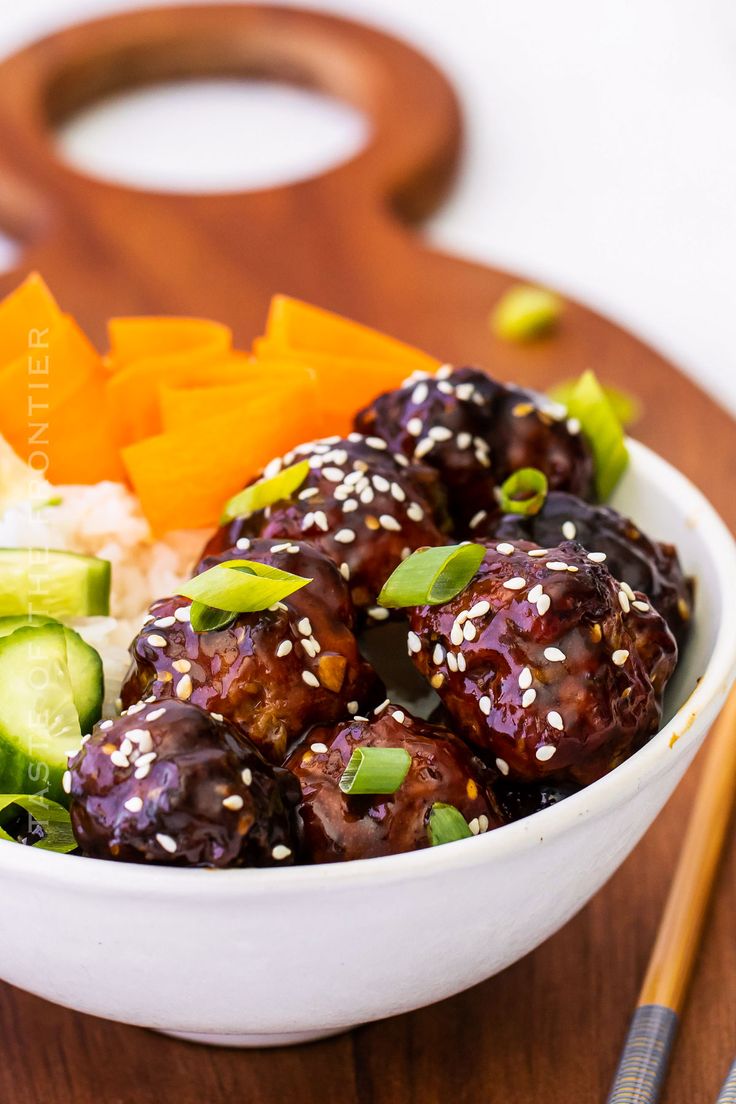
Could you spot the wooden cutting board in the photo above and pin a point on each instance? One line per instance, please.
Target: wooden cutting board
(550, 1028)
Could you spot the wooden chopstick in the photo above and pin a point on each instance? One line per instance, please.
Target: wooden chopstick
(645, 1058)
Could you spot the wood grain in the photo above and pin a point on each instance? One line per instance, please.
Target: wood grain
(550, 1028)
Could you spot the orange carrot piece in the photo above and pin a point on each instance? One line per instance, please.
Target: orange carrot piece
(26, 316)
(133, 392)
(183, 479)
(184, 407)
(145, 337)
(296, 326)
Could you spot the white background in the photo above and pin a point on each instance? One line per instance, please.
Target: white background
(601, 148)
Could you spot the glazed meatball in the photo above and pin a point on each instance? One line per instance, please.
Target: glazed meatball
(274, 672)
(170, 783)
(646, 565)
(361, 506)
(546, 662)
(476, 432)
(339, 826)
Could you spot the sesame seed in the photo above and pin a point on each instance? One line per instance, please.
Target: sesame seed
(119, 759)
(318, 748)
(308, 492)
(154, 715)
(628, 591)
(399, 716)
(456, 635)
(280, 852)
(440, 433)
(623, 600)
(556, 565)
(105, 725)
(165, 622)
(474, 826)
(309, 648)
(436, 680)
(483, 821)
(309, 678)
(522, 409)
(517, 583)
(247, 776)
(380, 708)
(182, 666)
(438, 654)
(320, 520)
(352, 707)
(166, 842)
(244, 543)
(307, 521)
(413, 642)
(284, 648)
(280, 547)
(464, 391)
(537, 553)
(217, 717)
(425, 445)
(469, 630)
(535, 593)
(378, 613)
(414, 427)
(478, 518)
(157, 641)
(345, 536)
(444, 372)
(620, 656)
(445, 388)
(505, 549)
(545, 752)
(573, 426)
(528, 697)
(234, 802)
(389, 522)
(597, 557)
(554, 655)
(366, 496)
(184, 689)
(183, 613)
(66, 782)
(452, 661)
(304, 626)
(484, 704)
(569, 530)
(525, 678)
(345, 570)
(335, 475)
(502, 766)
(643, 607)
(133, 804)
(125, 748)
(480, 609)
(135, 708)
(543, 604)
(376, 443)
(419, 394)
(398, 492)
(555, 720)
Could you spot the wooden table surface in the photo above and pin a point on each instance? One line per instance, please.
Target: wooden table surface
(549, 1028)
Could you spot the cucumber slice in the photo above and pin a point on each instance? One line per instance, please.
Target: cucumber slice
(39, 723)
(85, 667)
(57, 584)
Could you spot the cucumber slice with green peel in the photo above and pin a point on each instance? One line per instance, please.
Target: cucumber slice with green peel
(56, 584)
(85, 667)
(39, 722)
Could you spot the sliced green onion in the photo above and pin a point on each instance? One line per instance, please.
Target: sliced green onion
(627, 407)
(431, 576)
(523, 492)
(265, 492)
(242, 586)
(446, 824)
(525, 312)
(204, 618)
(53, 819)
(375, 771)
(588, 403)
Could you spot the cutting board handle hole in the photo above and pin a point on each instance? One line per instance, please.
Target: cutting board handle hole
(210, 135)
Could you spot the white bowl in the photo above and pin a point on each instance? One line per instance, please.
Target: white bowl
(264, 957)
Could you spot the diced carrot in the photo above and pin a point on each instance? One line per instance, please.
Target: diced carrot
(184, 407)
(295, 326)
(133, 392)
(183, 479)
(145, 337)
(344, 384)
(26, 315)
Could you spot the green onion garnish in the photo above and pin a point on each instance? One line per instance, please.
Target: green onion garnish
(208, 619)
(626, 407)
(431, 576)
(53, 818)
(525, 312)
(588, 403)
(265, 492)
(375, 771)
(238, 586)
(523, 492)
(446, 824)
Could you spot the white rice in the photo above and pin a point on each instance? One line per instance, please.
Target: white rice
(105, 520)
